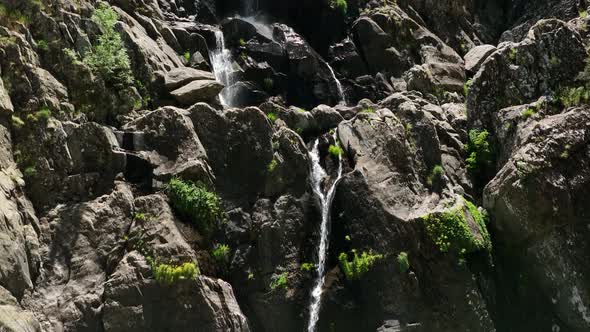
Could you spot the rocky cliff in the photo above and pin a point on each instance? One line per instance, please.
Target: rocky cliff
(165, 165)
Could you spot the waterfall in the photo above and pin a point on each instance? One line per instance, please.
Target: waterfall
(222, 63)
(325, 199)
(250, 7)
(338, 85)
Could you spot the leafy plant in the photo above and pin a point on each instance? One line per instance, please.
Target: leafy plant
(17, 122)
(194, 202)
(138, 216)
(30, 171)
(272, 117)
(272, 165)
(466, 87)
(403, 262)
(221, 253)
(43, 114)
(360, 264)
(306, 267)
(169, 274)
(335, 150)
(574, 96)
(435, 175)
(450, 230)
(279, 282)
(340, 5)
(528, 113)
(480, 160)
(242, 42)
(42, 46)
(368, 110)
(187, 56)
(108, 57)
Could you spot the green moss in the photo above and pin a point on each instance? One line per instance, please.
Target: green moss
(360, 264)
(17, 122)
(187, 57)
(272, 165)
(435, 175)
(242, 42)
(30, 171)
(340, 5)
(368, 110)
(141, 217)
(108, 57)
(451, 232)
(480, 160)
(335, 150)
(280, 282)
(43, 114)
(196, 203)
(221, 253)
(272, 117)
(306, 267)
(466, 87)
(403, 262)
(583, 13)
(169, 274)
(42, 46)
(528, 113)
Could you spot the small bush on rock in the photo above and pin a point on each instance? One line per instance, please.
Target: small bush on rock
(360, 264)
(403, 261)
(169, 274)
(279, 282)
(480, 160)
(340, 5)
(335, 150)
(306, 267)
(194, 202)
(221, 253)
(108, 57)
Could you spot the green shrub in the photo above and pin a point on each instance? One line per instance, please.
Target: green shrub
(335, 150)
(194, 202)
(340, 5)
(42, 46)
(221, 253)
(360, 264)
(451, 232)
(242, 42)
(306, 267)
(368, 110)
(17, 122)
(583, 13)
(272, 117)
(279, 282)
(108, 57)
(570, 97)
(435, 175)
(528, 113)
(30, 171)
(43, 114)
(466, 87)
(169, 274)
(138, 216)
(403, 262)
(186, 56)
(272, 165)
(480, 160)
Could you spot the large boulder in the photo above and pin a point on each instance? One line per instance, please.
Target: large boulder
(517, 73)
(539, 201)
(13, 318)
(178, 77)
(197, 91)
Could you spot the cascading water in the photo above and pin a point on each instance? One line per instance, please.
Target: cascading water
(338, 85)
(222, 63)
(318, 174)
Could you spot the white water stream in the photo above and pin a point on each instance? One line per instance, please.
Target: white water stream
(222, 63)
(318, 174)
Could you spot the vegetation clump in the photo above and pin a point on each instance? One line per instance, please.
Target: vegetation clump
(221, 253)
(272, 117)
(279, 282)
(480, 157)
(196, 203)
(360, 264)
(166, 274)
(451, 230)
(306, 267)
(272, 165)
(335, 150)
(403, 262)
(108, 57)
(340, 5)
(435, 175)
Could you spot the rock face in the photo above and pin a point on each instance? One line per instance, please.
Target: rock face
(412, 99)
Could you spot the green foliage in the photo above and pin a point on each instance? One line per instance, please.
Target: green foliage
(301, 110)
(451, 231)
(186, 56)
(30, 171)
(268, 84)
(108, 57)
(360, 264)
(169, 274)
(42, 46)
(528, 113)
(194, 202)
(221, 253)
(574, 96)
(368, 110)
(17, 122)
(480, 160)
(306, 267)
(242, 42)
(13, 14)
(138, 216)
(583, 13)
(279, 282)
(340, 5)
(43, 114)
(403, 262)
(272, 117)
(513, 54)
(335, 150)
(272, 165)
(435, 175)
(466, 87)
